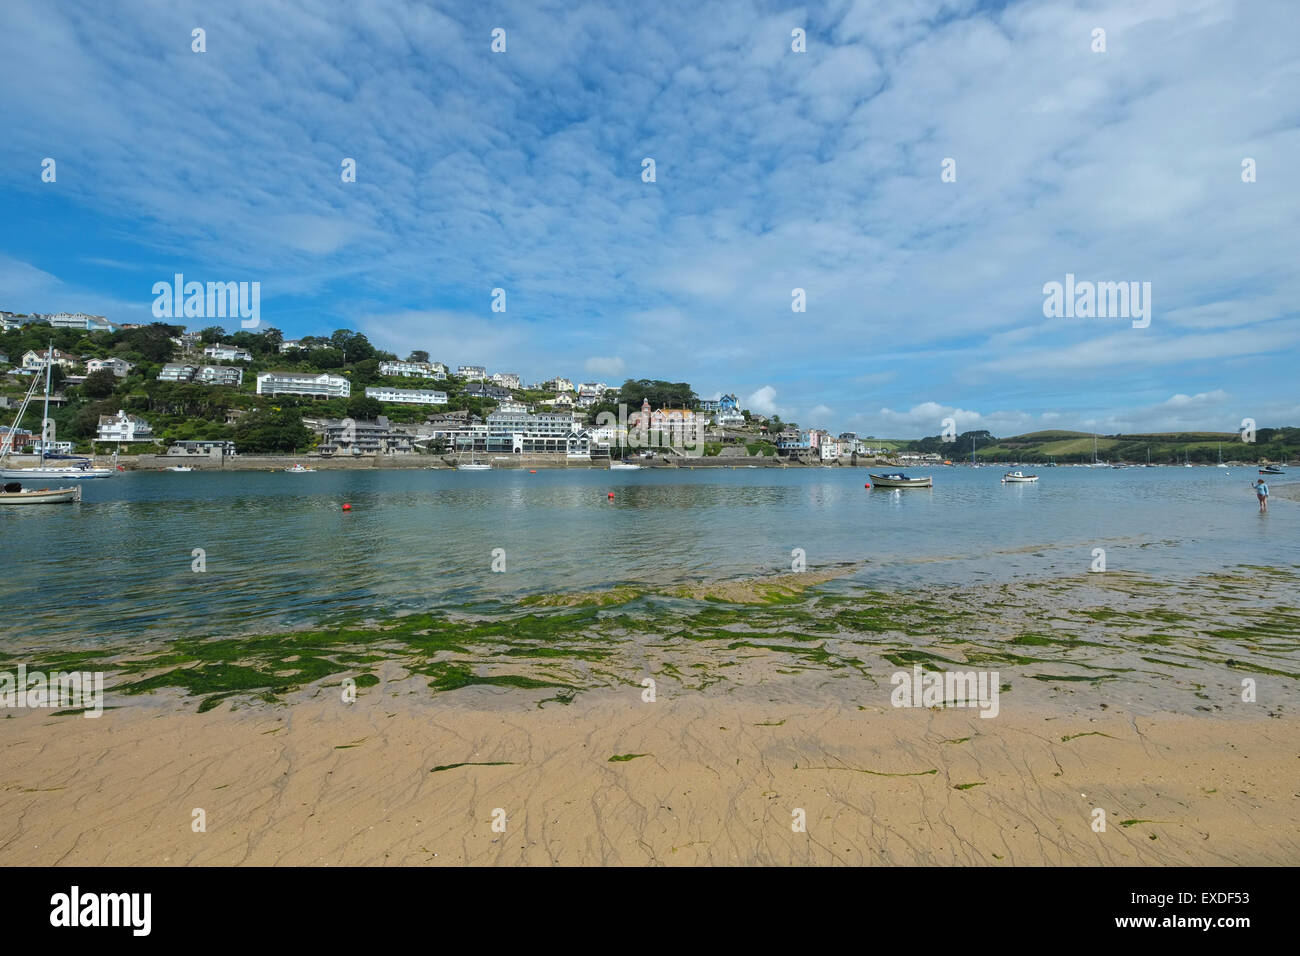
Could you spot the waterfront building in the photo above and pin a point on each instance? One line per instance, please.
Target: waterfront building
(668, 427)
(348, 436)
(407, 396)
(521, 433)
(313, 384)
(211, 449)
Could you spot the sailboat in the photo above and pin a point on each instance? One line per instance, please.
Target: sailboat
(1095, 462)
(78, 469)
(473, 465)
(1187, 460)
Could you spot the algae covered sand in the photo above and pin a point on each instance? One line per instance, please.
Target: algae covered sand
(1181, 646)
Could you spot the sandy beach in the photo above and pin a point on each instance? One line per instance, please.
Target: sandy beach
(774, 706)
(718, 780)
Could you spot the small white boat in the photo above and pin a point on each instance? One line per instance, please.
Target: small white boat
(179, 468)
(14, 494)
(898, 480)
(298, 470)
(624, 466)
(1016, 477)
(474, 466)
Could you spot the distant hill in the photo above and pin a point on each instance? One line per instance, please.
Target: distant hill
(1066, 447)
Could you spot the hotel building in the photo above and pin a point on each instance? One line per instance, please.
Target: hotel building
(312, 384)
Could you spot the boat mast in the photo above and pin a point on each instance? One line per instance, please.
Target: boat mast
(45, 415)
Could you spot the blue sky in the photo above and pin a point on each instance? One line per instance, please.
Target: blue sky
(775, 170)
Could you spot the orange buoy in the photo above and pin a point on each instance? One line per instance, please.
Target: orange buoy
(532, 471)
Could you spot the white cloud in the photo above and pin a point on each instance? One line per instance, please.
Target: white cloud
(763, 401)
(605, 366)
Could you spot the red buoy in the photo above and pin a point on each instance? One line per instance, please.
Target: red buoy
(347, 507)
(867, 485)
(611, 496)
(532, 471)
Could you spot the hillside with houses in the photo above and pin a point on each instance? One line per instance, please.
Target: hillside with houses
(166, 389)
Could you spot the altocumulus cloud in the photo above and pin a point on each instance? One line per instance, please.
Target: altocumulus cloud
(776, 171)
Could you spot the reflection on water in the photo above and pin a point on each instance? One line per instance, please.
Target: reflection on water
(280, 550)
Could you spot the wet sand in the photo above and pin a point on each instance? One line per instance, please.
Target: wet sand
(325, 783)
(1109, 700)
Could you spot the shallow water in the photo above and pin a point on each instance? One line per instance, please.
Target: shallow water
(279, 550)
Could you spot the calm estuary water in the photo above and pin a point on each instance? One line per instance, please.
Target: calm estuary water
(280, 551)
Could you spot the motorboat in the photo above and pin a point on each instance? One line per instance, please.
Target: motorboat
(1018, 477)
(899, 480)
(1271, 470)
(179, 468)
(13, 493)
(298, 469)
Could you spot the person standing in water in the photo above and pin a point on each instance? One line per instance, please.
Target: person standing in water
(1261, 492)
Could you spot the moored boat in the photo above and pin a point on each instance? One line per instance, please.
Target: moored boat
(298, 470)
(474, 466)
(899, 480)
(1016, 477)
(13, 493)
(1271, 470)
(624, 466)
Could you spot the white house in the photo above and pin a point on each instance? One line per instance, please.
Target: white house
(220, 375)
(79, 320)
(36, 360)
(407, 396)
(227, 353)
(433, 370)
(119, 367)
(506, 379)
(177, 372)
(123, 428)
(472, 373)
(314, 384)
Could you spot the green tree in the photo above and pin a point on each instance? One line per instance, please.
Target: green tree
(99, 384)
(152, 342)
(419, 355)
(268, 430)
(364, 409)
